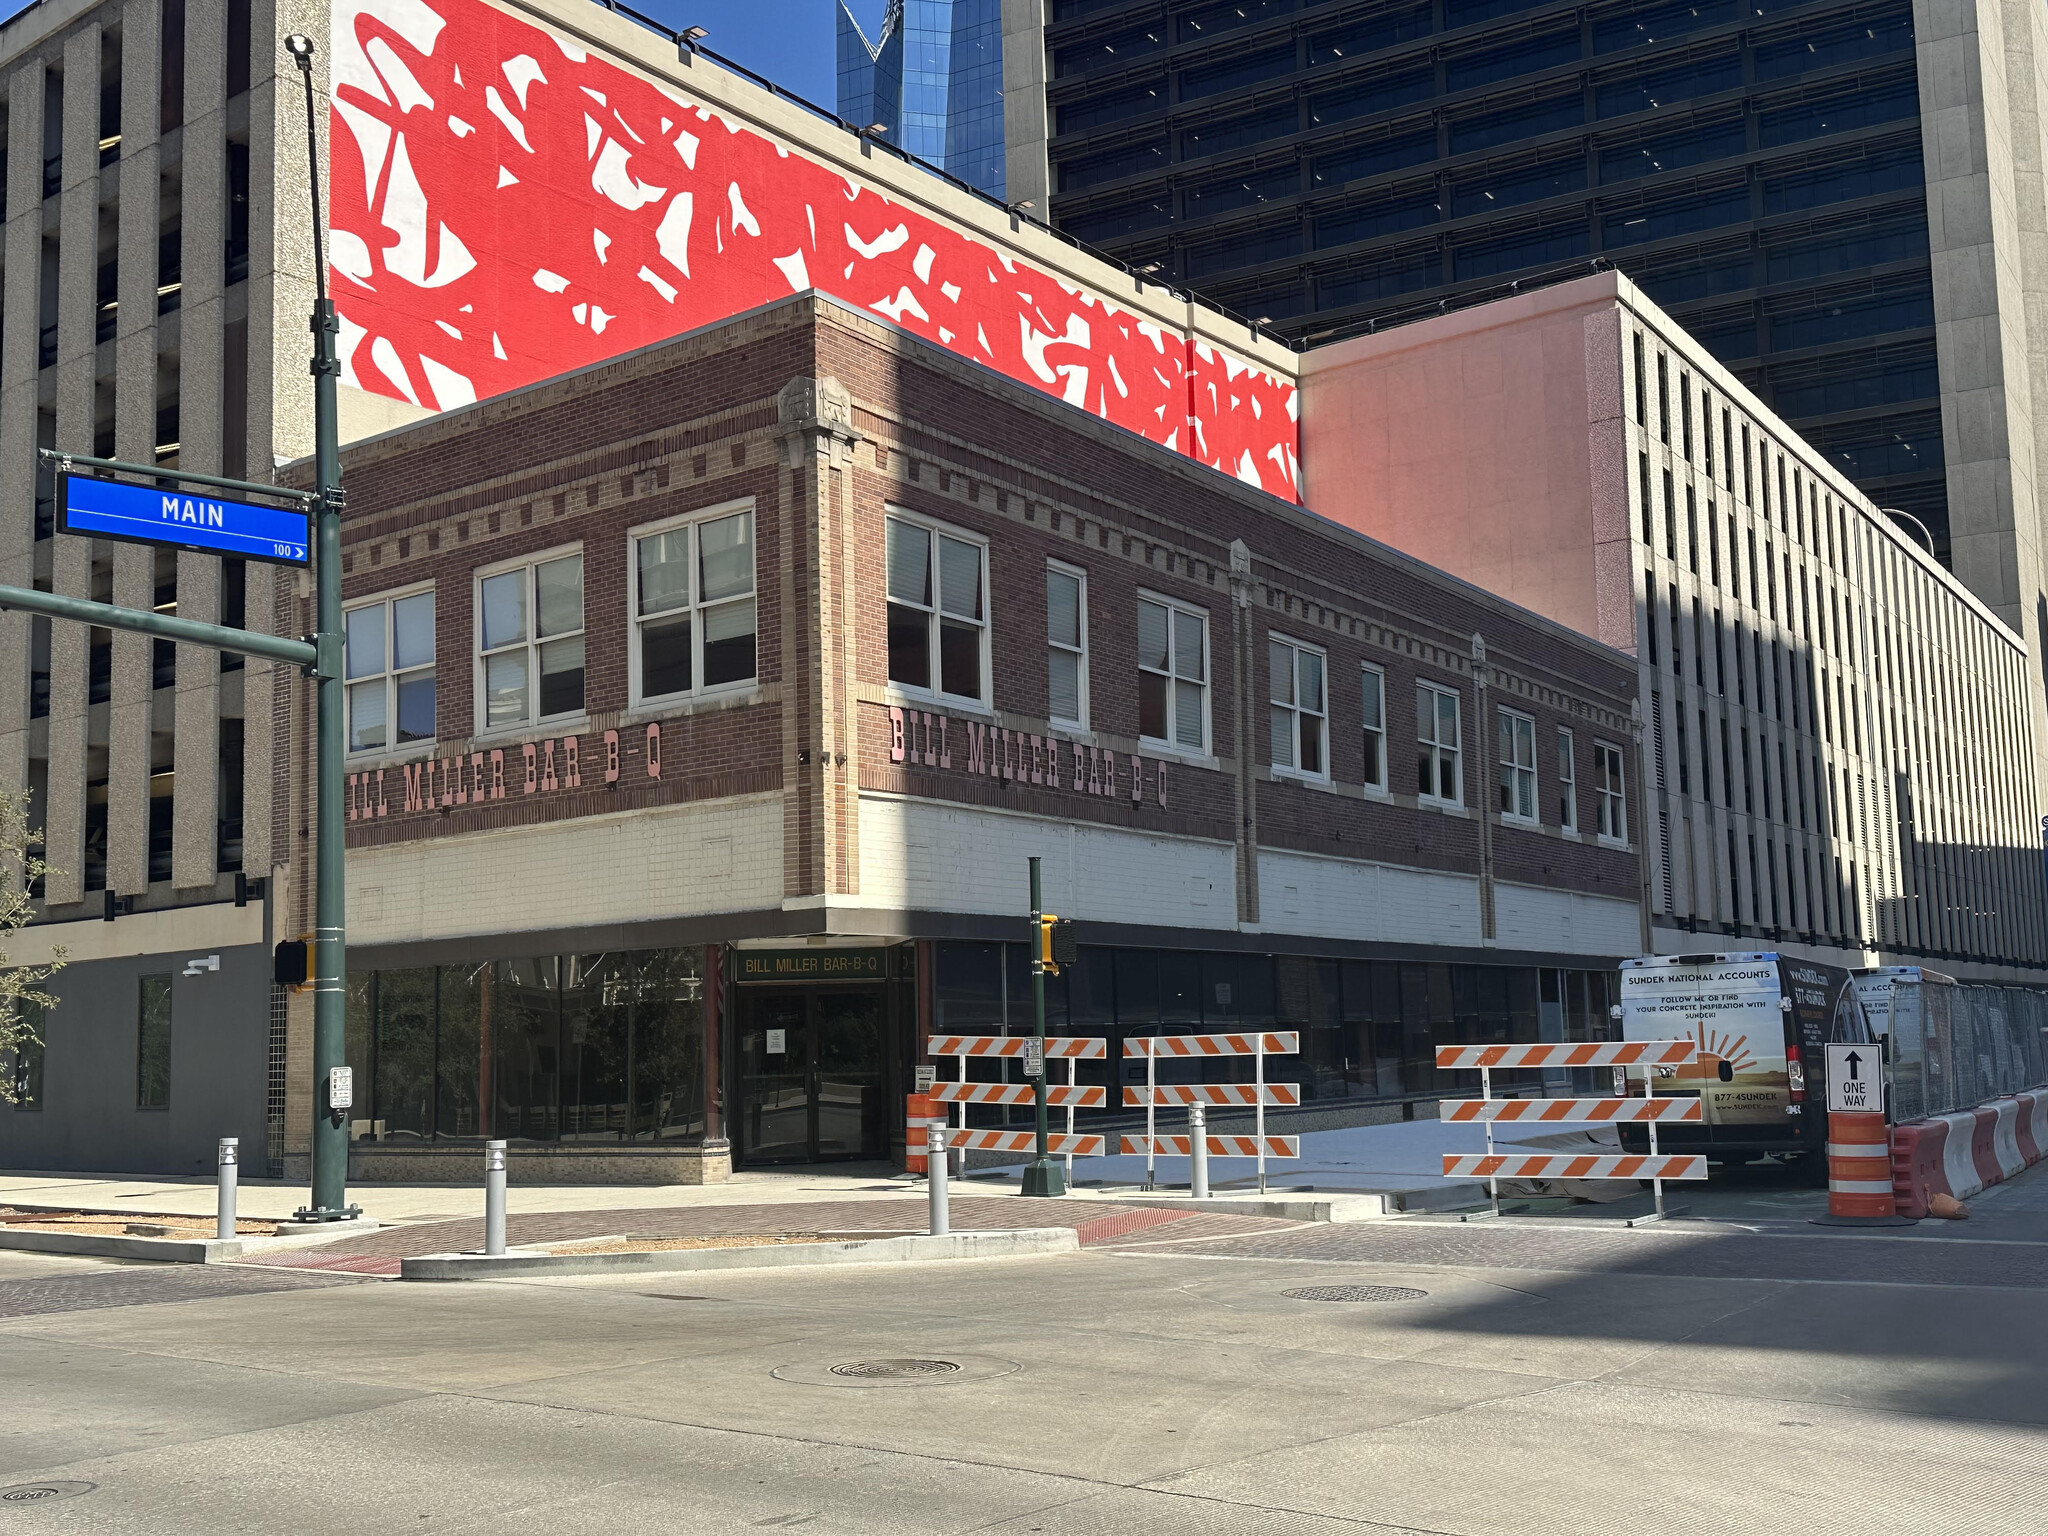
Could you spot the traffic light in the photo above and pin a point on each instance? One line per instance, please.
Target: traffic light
(1057, 944)
(288, 963)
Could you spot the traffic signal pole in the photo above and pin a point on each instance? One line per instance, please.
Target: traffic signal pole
(1043, 1176)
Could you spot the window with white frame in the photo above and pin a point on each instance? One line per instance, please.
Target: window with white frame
(1375, 689)
(1066, 644)
(1300, 710)
(1517, 765)
(529, 640)
(1436, 734)
(938, 610)
(693, 605)
(390, 666)
(1609, 787)
(1567, 783)
(1173, 674)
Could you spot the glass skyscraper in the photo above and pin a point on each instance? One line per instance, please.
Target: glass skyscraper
(935, 78)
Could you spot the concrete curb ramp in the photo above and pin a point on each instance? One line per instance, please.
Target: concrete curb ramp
(1016, 1243)
(101, 1245)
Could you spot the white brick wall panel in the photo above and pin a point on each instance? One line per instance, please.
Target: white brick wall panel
(1356, 899)
(717, 856)
(929, 856)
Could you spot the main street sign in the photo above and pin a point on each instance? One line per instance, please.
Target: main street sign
(156, 514)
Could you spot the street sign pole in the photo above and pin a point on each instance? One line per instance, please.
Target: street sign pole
(330, 1133)
(1043, 1176)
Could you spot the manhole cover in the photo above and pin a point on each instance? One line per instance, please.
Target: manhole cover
(33, 1493)
(896, 1368)
(895, 1372)
(1356, 1293)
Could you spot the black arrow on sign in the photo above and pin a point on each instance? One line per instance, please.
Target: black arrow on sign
(1855, 1064)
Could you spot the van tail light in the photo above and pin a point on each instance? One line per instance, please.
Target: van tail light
(1795, 1077)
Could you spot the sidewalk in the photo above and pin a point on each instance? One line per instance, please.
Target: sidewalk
(1403, 1155)
(408, 1203)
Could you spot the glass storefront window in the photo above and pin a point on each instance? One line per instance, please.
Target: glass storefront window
(550, 1048)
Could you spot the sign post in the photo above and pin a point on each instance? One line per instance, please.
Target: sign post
(264, 522)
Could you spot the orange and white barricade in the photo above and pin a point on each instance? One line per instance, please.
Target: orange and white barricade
(1257, 1044)
(1651, 1111)
(1057, 1144)
(1069, 1096)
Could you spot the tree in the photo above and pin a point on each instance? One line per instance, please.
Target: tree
(23, 1003)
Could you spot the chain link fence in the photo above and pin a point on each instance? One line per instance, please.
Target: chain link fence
(1955, 1045)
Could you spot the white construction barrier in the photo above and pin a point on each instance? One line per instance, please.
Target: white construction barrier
(1649, 1110)
(1154, 1096)
(1069, 1096)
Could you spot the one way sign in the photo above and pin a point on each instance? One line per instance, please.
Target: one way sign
(1855, 1078)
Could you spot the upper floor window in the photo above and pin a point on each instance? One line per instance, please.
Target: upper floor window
(692, 604)
(1375, 687)
(1436, 735)
(390, 645)
(529, 638)
(1517, 765)
(1567, 783)
(938, 610)
(1173, 674)
(1609, 787)
(1066, 644)
(1300, 714)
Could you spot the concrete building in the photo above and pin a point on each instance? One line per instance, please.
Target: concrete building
(831, 632)
(1841, 752)
(150, 244)
(1835, 197)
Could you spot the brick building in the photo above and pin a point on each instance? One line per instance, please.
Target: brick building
(774, 650)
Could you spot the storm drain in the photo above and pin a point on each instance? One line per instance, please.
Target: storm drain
(43, 1493)
(896, 1368)
(1356, 1293)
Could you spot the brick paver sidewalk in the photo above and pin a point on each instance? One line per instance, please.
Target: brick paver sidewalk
(378, 1252)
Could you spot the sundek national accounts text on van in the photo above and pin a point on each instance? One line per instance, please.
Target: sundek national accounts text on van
(151, 514)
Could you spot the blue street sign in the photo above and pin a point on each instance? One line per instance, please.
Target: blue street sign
(189, 519)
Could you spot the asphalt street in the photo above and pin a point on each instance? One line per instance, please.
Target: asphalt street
(1471, 1378)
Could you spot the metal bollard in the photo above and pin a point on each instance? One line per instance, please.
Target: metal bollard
(494, 1197)
(935, 1165)
(1198, 1151)
(230, 1157)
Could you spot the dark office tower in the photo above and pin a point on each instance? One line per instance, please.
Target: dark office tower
(1760, 170)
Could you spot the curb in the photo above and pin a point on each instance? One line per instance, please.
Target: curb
(1016, 1243)
(1335, 1208)
(167, 1250)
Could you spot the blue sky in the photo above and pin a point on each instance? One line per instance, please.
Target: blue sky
(789, 41)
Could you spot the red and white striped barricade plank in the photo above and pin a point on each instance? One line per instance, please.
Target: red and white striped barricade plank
(1609, 1053)
(1542, 1111)
(1165, 1095)
(1219, 1146)
(1057, 1095)
(1571, 1165)
(1057, 1143)
(1057, 1047)
(1281, 1042)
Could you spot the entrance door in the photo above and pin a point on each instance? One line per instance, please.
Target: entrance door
(810, 1070)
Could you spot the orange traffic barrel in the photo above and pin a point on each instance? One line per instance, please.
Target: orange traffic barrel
(1859, 1165)
(920, 1111)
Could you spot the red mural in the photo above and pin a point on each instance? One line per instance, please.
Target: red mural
(508, 206)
